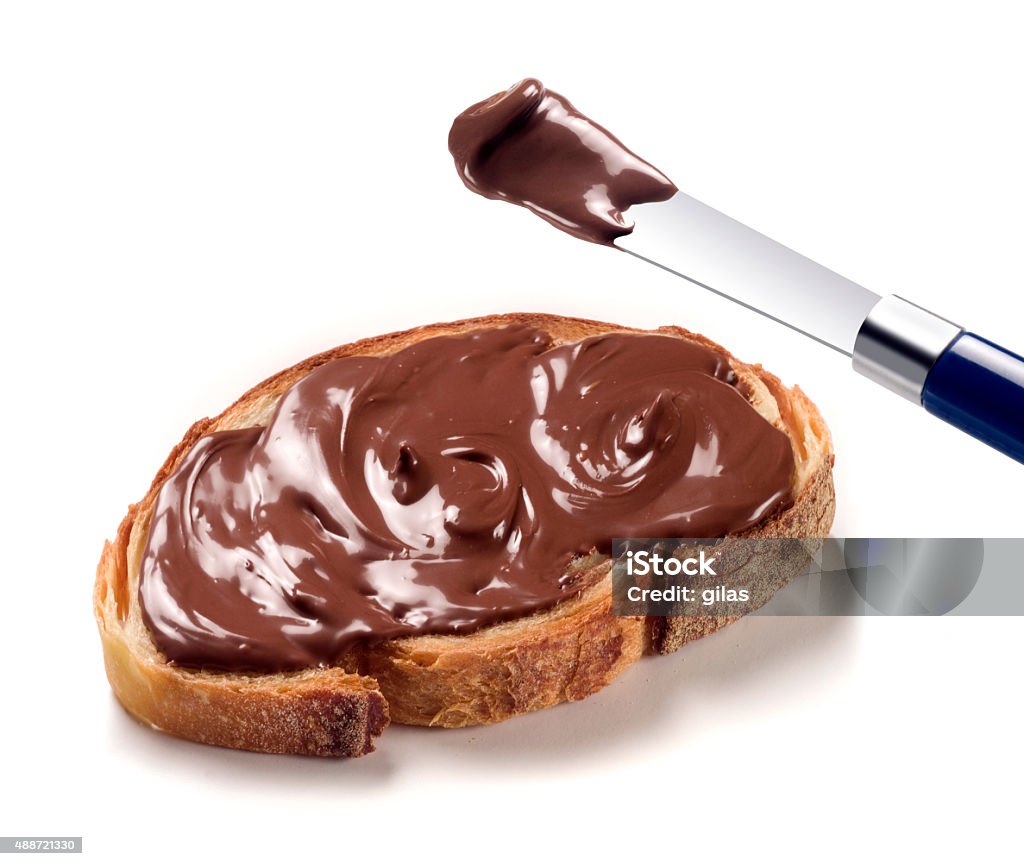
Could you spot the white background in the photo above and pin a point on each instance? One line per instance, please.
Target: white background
(195, 195)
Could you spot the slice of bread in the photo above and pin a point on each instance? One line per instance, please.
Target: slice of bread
(562, 654)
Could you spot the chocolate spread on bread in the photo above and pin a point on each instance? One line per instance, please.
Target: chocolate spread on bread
(443, 488)
(531, 147)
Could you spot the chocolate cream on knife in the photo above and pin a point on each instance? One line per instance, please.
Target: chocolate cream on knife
(530, 146)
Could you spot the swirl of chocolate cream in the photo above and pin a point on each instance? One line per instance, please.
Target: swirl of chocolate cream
(531, 147)
(443, 488)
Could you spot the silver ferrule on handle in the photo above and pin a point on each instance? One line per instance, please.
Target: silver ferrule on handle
(898, 344)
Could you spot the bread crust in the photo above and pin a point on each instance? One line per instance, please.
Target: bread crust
(562, 654)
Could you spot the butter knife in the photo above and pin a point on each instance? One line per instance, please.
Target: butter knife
(957, 376)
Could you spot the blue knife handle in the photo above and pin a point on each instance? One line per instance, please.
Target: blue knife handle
(978, 387)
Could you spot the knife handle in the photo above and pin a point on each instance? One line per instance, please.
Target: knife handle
(978, 387)
(973, 384)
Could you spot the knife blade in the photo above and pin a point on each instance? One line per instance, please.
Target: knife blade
(700, 244)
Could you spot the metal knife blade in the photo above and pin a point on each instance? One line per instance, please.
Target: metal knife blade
(714, 251)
